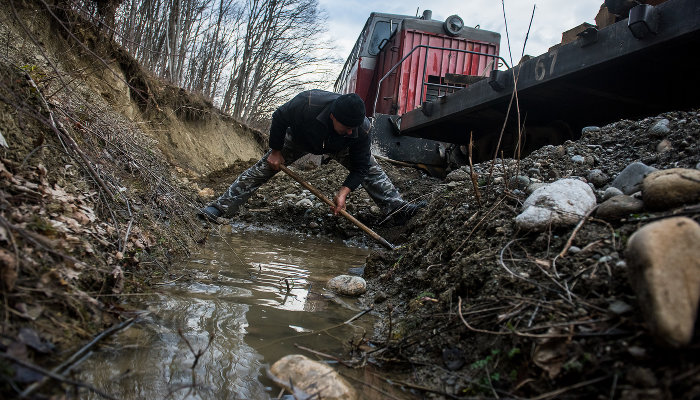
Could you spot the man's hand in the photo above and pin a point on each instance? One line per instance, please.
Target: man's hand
(339, 200)
(275, 159)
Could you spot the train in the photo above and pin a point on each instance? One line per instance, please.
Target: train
(433, 87)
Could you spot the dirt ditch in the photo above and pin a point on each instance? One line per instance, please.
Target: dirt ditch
(95, 202)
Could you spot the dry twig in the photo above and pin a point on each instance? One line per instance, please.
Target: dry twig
(78, 354)
(472, 174)
(55, 376)
(511, 332)
(477, 225)
(573, 234)
(324, 355)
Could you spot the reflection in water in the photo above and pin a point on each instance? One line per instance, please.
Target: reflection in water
(258, 295)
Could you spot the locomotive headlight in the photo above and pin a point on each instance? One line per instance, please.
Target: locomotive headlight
(453, 25)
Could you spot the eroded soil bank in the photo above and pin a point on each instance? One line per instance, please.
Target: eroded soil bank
(94, 201)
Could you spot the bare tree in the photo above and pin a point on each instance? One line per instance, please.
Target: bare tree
(281, 52)
(247, 56)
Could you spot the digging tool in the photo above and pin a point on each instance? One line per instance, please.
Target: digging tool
(345, 214)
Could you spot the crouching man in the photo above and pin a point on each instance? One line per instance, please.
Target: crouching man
(318, 122)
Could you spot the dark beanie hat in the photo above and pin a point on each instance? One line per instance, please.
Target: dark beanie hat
(349, 110)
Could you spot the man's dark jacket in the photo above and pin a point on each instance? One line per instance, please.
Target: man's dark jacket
(308, 117)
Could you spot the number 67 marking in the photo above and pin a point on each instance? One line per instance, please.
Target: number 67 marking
(541, 70)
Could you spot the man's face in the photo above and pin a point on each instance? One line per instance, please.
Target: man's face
(341, 129)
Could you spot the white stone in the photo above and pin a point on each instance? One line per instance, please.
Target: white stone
(306, 203)
(348, 285)
(561, 203)
(578, 159)
(311, 377)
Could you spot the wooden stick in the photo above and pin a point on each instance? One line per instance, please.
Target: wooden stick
(573, 234)
(345, 214)
(57, 370)
(472, 174)
(324, 355)
(55, 376)
(359, 315)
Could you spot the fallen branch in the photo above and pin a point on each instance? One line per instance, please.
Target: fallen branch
(67, 363)
(55, 376)
(324, 355)
(472, 174)
(573, 234)
(612, 230)
(530, 281)
(359, 315)
(488, 377)
(63, 135)
(477, 225)
(197, 355)
(511, 332)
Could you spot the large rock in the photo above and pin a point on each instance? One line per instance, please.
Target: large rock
(671, 188)
(611, 192)
(312, 377)
(561, 203)
(348, 285)
(597, 177)
(664, 269)
(630, 179)
(458, 175)
(619, 207)
(660, 128)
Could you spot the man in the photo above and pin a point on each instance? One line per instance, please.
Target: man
(318, 122)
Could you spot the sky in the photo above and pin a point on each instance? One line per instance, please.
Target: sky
(552, 17)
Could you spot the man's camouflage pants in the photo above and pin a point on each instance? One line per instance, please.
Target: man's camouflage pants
(376, 183)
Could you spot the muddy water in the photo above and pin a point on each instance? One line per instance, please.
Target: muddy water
(255, 296)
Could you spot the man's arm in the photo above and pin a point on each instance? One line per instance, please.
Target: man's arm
(283, 118)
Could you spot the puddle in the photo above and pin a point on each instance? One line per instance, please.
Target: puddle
(258, 295)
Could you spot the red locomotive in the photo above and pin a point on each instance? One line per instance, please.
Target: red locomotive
(399, 62)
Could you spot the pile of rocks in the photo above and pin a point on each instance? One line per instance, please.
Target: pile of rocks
(663, 257)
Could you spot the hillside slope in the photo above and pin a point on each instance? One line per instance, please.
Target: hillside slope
(189, 131)
(96, 197)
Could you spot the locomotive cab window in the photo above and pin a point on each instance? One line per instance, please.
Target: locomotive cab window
(381, 33)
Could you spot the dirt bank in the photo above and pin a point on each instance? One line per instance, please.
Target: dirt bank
(538, 324)
(96, 158)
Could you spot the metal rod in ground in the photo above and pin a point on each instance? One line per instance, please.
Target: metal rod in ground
(345, 214)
